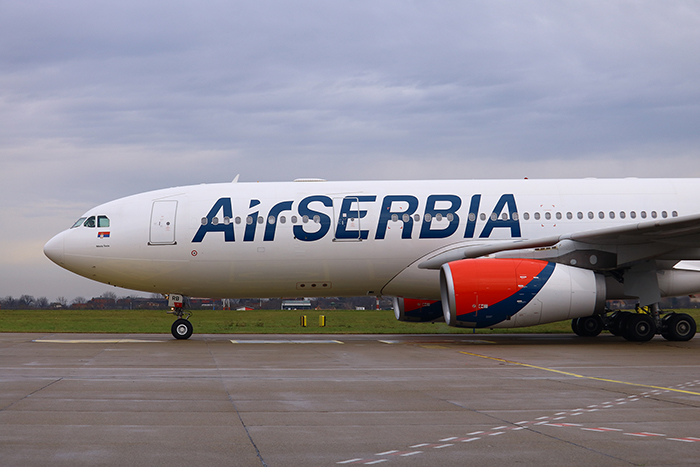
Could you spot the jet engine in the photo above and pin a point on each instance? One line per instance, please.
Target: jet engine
(489, 292)
(417, 311)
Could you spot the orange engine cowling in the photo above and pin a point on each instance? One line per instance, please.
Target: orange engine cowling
(487, 292)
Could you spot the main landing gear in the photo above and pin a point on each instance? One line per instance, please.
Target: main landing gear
(181, 328)
(639, 326)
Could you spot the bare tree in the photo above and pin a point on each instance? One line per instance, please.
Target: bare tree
(42, 302)
(25, 301)
(78, 301)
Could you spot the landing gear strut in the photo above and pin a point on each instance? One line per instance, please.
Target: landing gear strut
(639, 326)
(181, 328)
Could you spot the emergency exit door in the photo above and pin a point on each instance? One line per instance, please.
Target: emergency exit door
(163, 216)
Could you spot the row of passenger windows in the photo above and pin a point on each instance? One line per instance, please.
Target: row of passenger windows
(472, 217)
(601, 215)
(92, 221)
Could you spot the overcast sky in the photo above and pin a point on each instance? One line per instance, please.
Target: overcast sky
(99, 100)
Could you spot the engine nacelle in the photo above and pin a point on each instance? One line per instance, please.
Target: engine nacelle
(417, 311)
(486, 292)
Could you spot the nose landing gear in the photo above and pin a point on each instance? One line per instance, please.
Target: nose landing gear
(181, 328)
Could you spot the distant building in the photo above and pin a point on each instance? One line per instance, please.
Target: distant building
(296, 304)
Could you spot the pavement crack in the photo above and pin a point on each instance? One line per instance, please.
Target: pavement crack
(233, 404)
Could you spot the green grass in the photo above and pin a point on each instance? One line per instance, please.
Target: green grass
(249, 322)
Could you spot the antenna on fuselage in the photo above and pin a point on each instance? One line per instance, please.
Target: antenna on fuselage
(235, 180)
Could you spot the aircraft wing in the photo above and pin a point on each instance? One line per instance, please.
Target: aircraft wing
(611, 247)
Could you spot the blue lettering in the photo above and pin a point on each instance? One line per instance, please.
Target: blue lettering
(323, 219)
(213, 224)
(346, 212)
(431, 212)
(512, 222)
(404, 216)
(272, 216)
(251, 222)
(471, 220)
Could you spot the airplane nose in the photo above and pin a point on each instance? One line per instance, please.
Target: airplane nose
(54, 249)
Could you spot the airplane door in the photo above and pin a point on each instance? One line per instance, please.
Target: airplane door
(348, 221)
(163, 216)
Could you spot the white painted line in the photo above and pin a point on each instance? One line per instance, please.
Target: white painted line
(470, 439)
(474, 433)
(385, 453)
(519, 428)
(93, 341)
(520, 423)
(497, 433)
(377, 461)
(349, 461)
(540, 423)
(685, 440)
(411, 453)
(541, 418)
(500, 427)
(449, 439)
(419, 445)
(283, 341)
(389, 342)
(559, 418)
(442, 446)
(560, 413)
(591, 406)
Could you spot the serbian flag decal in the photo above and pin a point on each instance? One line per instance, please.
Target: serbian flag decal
(102, 234)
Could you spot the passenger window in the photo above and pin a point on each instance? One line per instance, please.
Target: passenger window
(590, 214)
(548, 215)
(558, 215)
(78, 223)
(526, 216)
(601, 214)
(664, 214)
(569, 215)
(644, 214)
(653, 214)
(537, 216)
(674, 214)
(482, 216)
(633, 214)
(622, 214)
(579, 215)
(612, 215)
(90, 222)
(102, 221)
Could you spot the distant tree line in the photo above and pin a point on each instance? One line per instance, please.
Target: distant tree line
(110, 301)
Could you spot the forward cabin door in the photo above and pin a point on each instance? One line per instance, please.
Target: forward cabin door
(163, 216)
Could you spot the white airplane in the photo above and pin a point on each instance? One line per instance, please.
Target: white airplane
(478, 253)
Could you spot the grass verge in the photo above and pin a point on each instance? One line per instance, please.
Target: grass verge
(244, 322)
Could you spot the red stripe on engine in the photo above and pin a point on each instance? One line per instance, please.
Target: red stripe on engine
(480, 283)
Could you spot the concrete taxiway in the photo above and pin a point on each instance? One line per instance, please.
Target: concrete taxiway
(273, 400)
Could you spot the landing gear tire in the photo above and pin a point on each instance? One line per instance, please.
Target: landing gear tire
(182, 329)
(679, 327)
(588, 326)
(639, 328)
(617, 323)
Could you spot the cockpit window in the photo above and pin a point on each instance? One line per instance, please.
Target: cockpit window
(90, 222)
(78, 223)
(102, 221)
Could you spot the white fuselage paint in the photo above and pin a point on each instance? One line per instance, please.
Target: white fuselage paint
(142, 251)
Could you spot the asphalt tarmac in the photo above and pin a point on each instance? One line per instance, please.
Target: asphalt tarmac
(333, 400)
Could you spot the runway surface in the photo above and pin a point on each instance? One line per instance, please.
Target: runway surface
(274, 400)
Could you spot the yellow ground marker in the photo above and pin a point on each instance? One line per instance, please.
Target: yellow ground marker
(577, 375)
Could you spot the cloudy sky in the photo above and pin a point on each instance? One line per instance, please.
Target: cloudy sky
(99, 100)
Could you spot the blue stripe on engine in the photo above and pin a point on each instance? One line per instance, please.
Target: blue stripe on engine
(507, 308)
